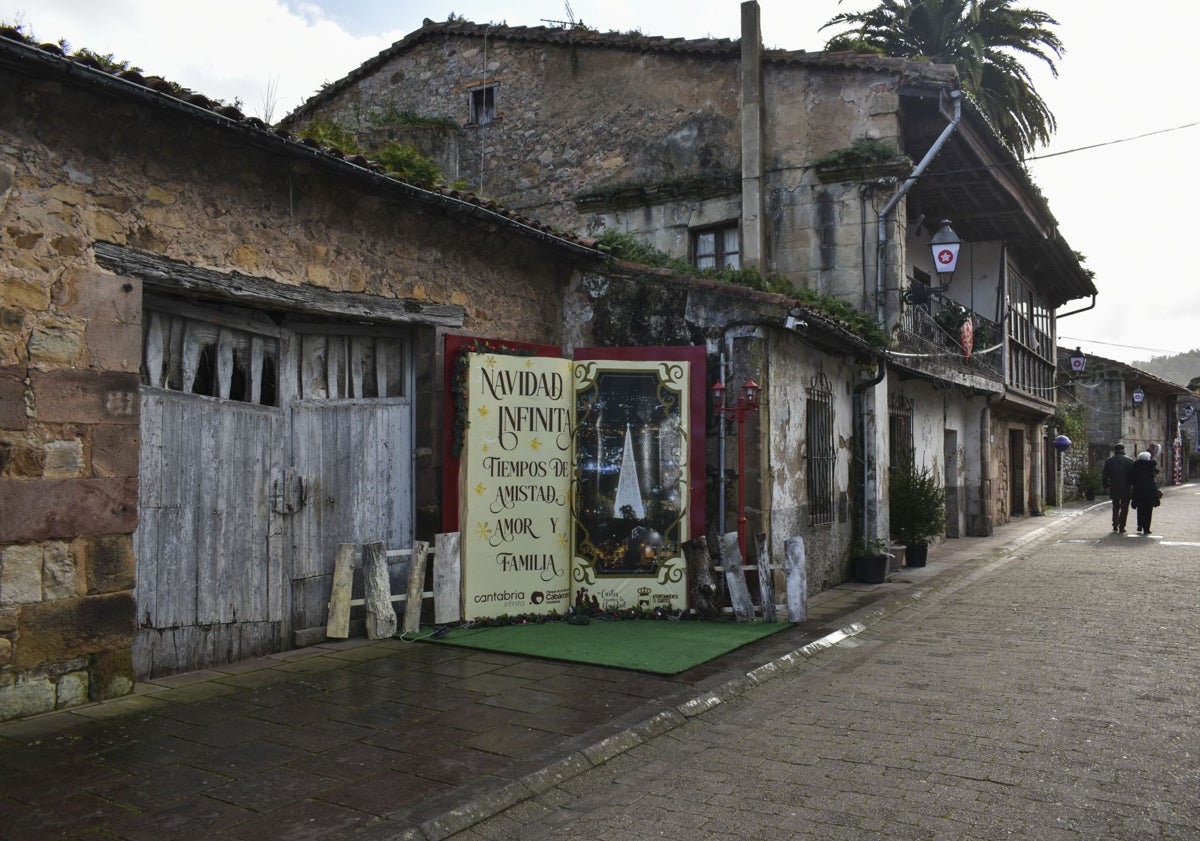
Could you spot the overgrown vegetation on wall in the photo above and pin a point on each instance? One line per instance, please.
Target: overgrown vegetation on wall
(628, 247)
(398, 159)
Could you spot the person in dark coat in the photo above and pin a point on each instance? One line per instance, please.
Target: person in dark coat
(1145, 490)
(1116, 480)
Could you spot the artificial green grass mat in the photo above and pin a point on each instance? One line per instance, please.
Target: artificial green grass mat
(651, 645)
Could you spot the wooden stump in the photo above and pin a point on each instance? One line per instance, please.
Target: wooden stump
(447, 577)
(735, 578)
(705, 598)
(797, 579)
(337, 625)
(377, 592)
(766, 579)
(416, 587)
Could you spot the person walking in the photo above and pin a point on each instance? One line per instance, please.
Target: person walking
(1115, 476)
(1146, 496)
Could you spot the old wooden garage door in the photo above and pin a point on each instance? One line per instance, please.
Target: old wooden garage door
(263, 447)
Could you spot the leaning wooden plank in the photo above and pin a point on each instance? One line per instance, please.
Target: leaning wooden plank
(735, 578)
(381, 616)
(338, 624)
(766, 579)
(416, 585)
(447, 589)
(797, 579)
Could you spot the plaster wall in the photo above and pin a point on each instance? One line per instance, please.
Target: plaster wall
(946, 438)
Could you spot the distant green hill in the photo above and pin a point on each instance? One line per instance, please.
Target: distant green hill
(1181, 368)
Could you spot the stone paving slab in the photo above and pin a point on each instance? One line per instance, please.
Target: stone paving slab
(391, 739)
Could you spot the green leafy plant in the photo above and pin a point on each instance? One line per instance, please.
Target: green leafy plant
(1091, 480)
(868, 547)
(864, 151)
(918, 504)
(398, 159)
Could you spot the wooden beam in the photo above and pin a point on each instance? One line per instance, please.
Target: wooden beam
(164, 275)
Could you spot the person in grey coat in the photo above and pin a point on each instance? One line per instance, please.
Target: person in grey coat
(1145, 490)
(1115, 476)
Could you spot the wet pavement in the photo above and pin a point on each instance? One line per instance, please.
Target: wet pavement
(384, 739)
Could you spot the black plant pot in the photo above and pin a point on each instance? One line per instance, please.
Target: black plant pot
(916, 555)
(871, 569)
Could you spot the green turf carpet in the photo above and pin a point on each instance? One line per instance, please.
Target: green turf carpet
(659, 646)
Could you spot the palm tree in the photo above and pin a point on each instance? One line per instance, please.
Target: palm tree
(985, 39)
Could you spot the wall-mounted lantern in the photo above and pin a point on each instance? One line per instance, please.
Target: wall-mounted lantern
(944, 245)
(1078, 362)
(1139, 397)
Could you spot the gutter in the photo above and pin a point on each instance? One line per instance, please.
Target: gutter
(1081, 309)
(881, 237)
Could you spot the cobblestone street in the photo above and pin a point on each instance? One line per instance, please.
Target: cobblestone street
(1051, 695)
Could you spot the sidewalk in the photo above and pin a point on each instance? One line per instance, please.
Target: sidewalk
(386, 739)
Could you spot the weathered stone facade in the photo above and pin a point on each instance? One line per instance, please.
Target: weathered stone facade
(98, 160)
(665, 139)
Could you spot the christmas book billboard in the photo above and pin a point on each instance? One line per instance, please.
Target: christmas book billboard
(580, 481)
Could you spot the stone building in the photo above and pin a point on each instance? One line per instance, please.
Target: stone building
(832, 171)
(1123, 404)
(223, 355)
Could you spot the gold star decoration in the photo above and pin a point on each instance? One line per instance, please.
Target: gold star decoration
(535, 444)
(483, 530)
(480, 489)
(483, 411)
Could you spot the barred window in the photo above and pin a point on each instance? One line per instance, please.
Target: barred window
(901, 446)
(818, 419)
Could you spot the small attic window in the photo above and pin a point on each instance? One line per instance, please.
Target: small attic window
(483, 105)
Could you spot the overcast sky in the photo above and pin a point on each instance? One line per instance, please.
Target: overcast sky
(1128, 71)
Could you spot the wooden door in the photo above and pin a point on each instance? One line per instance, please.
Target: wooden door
(210, 570)
(351, 437)
(263, 447)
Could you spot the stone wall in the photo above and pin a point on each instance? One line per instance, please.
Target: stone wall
(569, 119)
(78, 167)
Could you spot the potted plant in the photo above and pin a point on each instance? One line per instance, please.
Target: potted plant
(1091, 481)
(870, 557)
(918, 510)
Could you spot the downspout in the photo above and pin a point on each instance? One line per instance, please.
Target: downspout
(881, 237)
(860, 435)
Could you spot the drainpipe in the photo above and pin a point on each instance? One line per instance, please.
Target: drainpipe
(865, 448)
(881, 237)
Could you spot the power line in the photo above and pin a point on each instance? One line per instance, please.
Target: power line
(1111, 142)
(1190, 353)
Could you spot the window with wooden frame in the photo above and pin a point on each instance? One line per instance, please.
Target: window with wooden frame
(821, 450)
(716, 248)
(482, 105)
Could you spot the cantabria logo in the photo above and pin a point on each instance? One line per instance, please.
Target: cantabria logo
(506, 596)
